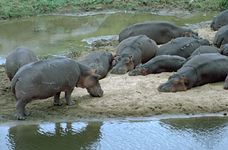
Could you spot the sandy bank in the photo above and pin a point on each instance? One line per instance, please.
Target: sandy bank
(124, 96)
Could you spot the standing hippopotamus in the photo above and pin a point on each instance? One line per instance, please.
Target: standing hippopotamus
(131, 52)
(100, 61)
(17, 59)
(160, 32)
(163, 63)
(224, 50)
(43, 79)
(204, 49)
(220, 20)
(200, 70)
(221, 37)
(182, 46)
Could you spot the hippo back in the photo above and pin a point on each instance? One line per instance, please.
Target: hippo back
(45, 77)
(99, 60)
(17, 59)
(210, 67)
(220, 20)
(182, 46)
(141, 43)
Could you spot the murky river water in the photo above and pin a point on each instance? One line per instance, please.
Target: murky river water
(205, 133)
(59, 34)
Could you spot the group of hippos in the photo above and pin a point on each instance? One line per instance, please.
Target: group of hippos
(194, 60)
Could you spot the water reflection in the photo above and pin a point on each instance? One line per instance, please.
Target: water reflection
(56, 136)
(193, 133)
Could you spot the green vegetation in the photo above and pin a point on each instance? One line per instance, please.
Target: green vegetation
(19, 8)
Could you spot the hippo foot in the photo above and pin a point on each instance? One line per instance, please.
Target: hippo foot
(58, 104)
(70, 103)
(21, 117)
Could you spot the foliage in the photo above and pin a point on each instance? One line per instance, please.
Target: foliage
(19, 8)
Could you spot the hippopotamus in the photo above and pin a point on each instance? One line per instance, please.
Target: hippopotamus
(131, 52)
(200, 70)
(220, 20)
(205, 49)
(100, 61)
(181, 46)
(160, 32)
(46, 78)
(18, 58)
(224, 50)
(221, 37)
(162, 63)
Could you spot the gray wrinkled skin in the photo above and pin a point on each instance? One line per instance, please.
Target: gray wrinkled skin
(224, 50)
(182, 46)
(100, 61)
(220, 20)
(17, 59)
(162, 63)
(204, 49)
(160, 32)
(200, 70)
(43, 79)
(131, 52)
(221, 37)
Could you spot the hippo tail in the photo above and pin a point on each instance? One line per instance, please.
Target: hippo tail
(13, 84)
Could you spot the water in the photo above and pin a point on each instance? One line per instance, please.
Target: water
(58, 34)
(205, 133)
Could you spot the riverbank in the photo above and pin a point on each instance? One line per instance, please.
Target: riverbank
(125, 96)
(21, 8)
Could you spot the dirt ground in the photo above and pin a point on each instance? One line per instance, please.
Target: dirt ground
(125, 96)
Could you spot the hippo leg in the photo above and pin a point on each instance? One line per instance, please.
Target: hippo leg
(20, 110)
(57, 101)
(68, 98)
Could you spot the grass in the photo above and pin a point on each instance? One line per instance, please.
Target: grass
(21, 8)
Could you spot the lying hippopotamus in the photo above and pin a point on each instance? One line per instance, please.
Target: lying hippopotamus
(224, 50)
(160, 32)
(17, 59)
(131, 52)
(204, 49)
(221, 37)
(162, 63)
(100, 61)
(46, 78)
(220, 20)
(200, 70)
(182, 46)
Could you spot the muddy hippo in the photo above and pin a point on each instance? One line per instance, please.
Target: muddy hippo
(221, 37)
(17, 59)
(220, 20)
(182, 46)
(200, 70)
(224, 50)
(46, 78)
(131, 52)
(160, 32)
(162, 63)
(100, 61)
(205, 49)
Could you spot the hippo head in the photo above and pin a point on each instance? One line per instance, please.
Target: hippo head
(122, 64)
(189, 33)
(175, 83)
(90, 81)
(224, 49)
(139, 70)
(216, 24)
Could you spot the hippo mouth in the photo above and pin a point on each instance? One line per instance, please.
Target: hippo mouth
(119, 70)
(95, 91)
